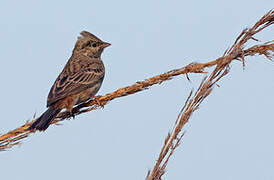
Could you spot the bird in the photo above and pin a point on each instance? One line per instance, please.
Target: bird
(79, 81)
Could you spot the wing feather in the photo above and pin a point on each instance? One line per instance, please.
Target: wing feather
(72, 83)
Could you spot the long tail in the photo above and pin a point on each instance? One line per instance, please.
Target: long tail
(43, 122)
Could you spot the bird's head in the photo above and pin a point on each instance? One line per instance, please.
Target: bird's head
(89, 45)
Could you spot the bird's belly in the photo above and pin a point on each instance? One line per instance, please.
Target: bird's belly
(88, 93)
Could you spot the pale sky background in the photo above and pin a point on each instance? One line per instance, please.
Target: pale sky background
(230, 137)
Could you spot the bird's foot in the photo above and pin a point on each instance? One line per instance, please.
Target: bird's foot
(71, 114)
(96, 98)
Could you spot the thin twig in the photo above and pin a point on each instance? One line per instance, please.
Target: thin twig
(194, 100)
(15, 136)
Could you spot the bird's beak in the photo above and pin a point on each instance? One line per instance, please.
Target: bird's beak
(105, 44)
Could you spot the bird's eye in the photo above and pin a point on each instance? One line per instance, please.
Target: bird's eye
(94, 44)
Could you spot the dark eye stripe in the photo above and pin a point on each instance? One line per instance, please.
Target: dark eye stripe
(86, 44)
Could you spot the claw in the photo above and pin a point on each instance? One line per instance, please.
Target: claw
(71, 114)
(96, 98)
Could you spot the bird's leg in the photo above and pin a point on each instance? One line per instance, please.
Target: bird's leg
(96, 98)
(70, 112)
(70, 102)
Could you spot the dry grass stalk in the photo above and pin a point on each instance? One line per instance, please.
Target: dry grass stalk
(236, 52)
(14, 137)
